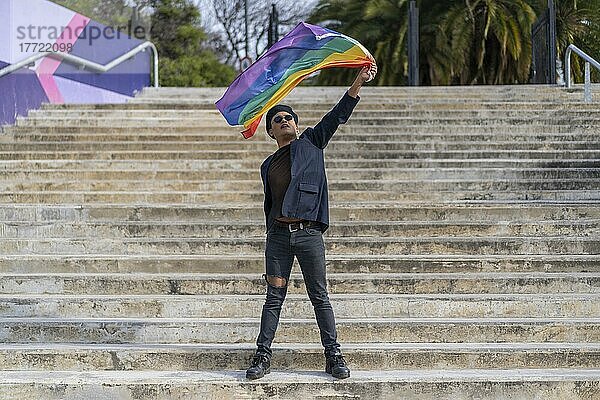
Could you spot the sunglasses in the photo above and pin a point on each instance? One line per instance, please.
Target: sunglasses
(280, 118)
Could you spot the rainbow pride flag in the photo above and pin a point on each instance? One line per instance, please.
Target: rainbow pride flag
(306, 49)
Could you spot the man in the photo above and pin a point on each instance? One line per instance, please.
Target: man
(297, 213)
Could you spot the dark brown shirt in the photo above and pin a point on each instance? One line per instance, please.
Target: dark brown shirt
(279, 179)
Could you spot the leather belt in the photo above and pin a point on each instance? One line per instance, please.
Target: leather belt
(296, 226)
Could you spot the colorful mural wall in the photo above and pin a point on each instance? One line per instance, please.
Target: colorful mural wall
(33, 26)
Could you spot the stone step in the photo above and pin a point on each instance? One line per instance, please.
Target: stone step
(329, 100)
(264, 147)
(215, 284)
(335, 245)
(397, 185)
(345, 306)
(363, 228)
(563, 105)
(304, 90)
(333, 97)
(464, 245)
(316, 111)
(353, 127)
(423, 384)
(254, 164)
(549, 155)
(247, 263)
(363, 126)
(313, 119)
(296, 357)
(484, 212)
(334, 155)
(211, 197)
(373, 330)
(308, 118)
(490, 212)
(560, 103)
(307, 90)
(496, 138)
(333, 174)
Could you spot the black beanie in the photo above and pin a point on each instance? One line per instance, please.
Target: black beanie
(277, 109)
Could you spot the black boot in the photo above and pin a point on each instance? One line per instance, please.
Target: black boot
(260, 366)
(336, 366)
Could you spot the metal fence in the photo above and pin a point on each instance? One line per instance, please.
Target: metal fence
(543, 38)
(413, 44)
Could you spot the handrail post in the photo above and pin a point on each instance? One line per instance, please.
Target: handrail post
(589, 62)
(155, 56)
(568, 68)
(156, 82)
(587, 88)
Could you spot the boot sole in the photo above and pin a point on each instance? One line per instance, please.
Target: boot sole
(253, 377)
(343, 376)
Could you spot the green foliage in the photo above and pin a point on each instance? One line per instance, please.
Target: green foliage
(380, 25)
(591, 44)
(578, 23)
(195, 71)
(490, 41)
(178, 36)
(461, 41)
(176, 28)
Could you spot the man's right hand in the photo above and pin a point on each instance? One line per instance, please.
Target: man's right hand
(366, 74)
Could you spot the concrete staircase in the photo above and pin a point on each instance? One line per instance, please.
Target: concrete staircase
(464, 252)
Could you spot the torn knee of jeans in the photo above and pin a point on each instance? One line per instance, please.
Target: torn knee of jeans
(276, 281)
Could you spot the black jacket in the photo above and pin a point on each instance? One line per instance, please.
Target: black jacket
(306, 196)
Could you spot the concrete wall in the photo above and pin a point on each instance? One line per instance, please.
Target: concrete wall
(25, 26)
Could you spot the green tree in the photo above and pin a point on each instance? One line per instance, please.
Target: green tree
(578, 23)
(176, 28)
(435, 47)
(462, 41)
(380, 25)
(184, 61)
(490, 41)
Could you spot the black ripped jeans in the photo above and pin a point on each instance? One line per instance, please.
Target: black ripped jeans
(308, 247)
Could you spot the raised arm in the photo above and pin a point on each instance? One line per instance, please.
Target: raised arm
(324, 130)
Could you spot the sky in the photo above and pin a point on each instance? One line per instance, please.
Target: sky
(210, 24)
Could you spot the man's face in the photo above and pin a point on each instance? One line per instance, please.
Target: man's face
(283, 126)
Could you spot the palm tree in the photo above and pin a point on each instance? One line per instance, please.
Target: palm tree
(435, 47)
(386, 22)
(490, 41)
(462, 41)
(578, 23)
(380, 25)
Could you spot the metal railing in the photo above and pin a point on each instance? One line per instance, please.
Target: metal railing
(95, 67)
(588, 61)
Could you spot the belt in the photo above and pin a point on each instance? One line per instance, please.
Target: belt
(296, 226)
